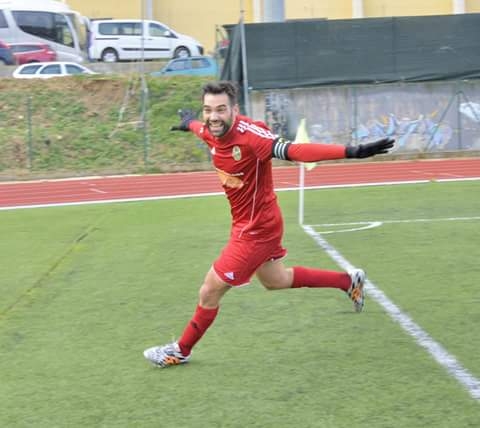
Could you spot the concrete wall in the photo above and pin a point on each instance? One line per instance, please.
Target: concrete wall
(431, 117)
(472, 6)
(378, 8)
(309, 9)
(107, 8)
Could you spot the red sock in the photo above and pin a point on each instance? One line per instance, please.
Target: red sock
(195, 329)
(316, 278)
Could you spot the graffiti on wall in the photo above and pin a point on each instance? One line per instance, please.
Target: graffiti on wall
(420, 134)
(440, 130)
(277, 107)
(471, 110)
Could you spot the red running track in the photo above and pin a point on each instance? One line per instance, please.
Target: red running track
(120, 188)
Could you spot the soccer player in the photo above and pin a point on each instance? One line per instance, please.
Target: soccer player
(242, 150)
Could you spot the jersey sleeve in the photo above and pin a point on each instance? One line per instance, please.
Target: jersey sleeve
(197, 128)
(315, 152)
(261, 140)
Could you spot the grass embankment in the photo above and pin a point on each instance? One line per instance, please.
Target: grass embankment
(94, 125)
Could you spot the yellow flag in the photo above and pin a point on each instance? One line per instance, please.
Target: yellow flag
(302, 137)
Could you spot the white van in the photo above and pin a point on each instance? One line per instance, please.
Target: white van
(44, 21)
(123, 39)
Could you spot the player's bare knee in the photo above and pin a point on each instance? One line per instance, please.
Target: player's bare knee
(212, 291)
(279, 281)
(207, 296)
(280, 284)
(268, 286)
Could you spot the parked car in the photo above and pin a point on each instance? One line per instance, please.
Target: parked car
(45, 21)
(192, 66)
(46, 70)
(26, 53)
(6, 54)
(115, 40)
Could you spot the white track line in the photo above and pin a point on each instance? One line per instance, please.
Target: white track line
(196, 195)
(109, 201)
(437, 351)
(98, 191)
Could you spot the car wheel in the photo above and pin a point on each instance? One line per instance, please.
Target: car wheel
(3, 62)
(109, 55)
(181, 52)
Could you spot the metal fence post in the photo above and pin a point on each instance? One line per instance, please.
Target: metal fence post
(355, 114)
(459, 119)
(145, 96)
(29, 132)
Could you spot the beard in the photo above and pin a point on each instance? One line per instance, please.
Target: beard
(219, 127)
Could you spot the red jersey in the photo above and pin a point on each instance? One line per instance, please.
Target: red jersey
(242, 159)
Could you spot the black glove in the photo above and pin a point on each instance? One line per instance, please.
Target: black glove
(186, 116)
(370, 149)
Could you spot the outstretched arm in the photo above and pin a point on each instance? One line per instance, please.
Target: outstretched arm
(186, 116)
(378, 147)
(285, 150)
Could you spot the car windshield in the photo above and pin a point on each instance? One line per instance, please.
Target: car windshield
(80, 24)
(157, 30)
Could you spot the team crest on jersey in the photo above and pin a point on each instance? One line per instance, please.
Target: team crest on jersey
(236, 153)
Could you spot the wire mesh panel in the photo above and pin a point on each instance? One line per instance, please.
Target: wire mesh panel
(422, 117)
(114, 125)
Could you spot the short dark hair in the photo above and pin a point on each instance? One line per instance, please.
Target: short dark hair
(221, 87)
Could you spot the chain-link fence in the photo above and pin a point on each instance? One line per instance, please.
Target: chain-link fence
(118, 125)
(101, 125)
(422, 117)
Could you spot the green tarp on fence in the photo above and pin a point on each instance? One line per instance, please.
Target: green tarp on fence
(375, 50)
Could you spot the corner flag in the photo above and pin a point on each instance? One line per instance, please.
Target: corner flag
(302, 137)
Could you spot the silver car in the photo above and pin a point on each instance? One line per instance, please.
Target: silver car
(45, 70)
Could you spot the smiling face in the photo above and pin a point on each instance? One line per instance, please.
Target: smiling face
(218, 113)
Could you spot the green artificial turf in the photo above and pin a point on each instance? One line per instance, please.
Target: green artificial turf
(85, 289)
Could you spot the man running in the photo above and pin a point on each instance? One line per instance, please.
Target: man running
(242, 150)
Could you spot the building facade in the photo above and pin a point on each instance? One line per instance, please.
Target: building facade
(201, 19)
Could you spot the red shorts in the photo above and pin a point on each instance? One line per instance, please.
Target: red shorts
(241, 258)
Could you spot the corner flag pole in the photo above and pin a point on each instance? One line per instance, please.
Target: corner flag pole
(301, 193)
(302, 137)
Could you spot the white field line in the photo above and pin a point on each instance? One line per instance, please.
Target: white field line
(437, 351)
(363, 225)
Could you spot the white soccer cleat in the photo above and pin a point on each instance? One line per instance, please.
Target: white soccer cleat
(355, 292)
(166, 355)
